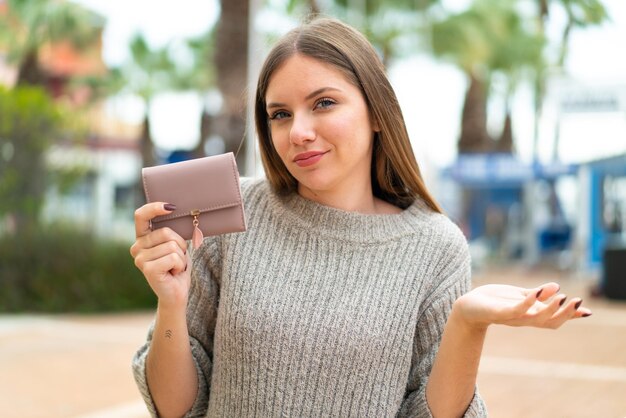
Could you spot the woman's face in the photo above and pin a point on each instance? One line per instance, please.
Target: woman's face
(320, 126)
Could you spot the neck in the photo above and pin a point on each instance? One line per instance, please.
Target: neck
(356, 199)
(359, 199)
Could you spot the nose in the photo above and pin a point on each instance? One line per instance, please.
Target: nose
(302, 129)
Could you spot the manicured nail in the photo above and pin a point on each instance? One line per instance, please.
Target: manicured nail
(563, 301)
(539, 293)
(580, 302)
(169, 206)
(586, 314)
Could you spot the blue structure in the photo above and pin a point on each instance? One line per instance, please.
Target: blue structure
(178, 156)
(493, 183)
(601, 229)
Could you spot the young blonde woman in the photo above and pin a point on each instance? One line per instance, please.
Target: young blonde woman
(349, 295)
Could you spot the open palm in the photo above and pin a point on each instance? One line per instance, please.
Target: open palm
(541, 307)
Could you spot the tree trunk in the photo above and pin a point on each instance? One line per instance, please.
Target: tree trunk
(505, 142)
(206, 123)
(231, 60)
(474, 137)
(146, 148)
(314, 7)
(29, 72)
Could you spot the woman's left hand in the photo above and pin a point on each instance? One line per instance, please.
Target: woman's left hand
(541, 307)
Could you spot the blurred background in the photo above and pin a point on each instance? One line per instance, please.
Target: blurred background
(517, 114)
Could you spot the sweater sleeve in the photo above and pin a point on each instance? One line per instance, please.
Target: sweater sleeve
(201, 318)
(452, 281)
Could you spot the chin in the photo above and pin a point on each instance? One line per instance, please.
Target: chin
(314, 186)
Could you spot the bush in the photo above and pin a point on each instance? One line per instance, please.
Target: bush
(30, 122)
(61, 269)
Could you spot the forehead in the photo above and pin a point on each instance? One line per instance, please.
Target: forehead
(300, 72)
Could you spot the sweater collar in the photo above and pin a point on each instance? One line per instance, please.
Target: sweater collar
(352, 226)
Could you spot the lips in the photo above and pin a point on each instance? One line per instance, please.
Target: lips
(308, 158)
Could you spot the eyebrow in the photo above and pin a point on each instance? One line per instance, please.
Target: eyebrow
(308, 97)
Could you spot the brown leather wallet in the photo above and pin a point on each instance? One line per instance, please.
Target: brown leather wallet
(206, 193)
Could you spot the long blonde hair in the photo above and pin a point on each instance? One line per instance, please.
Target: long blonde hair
(396, 176)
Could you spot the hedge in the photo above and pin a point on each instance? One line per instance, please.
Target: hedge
(60, 269)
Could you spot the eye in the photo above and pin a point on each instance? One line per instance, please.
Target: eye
(279, 114)
(324, 103)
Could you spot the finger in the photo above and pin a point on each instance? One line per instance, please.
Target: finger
(164, 267)
(160, 236)
(545, 291)
(187, 259)
(524, 306)
(188, 254)
(179, 267)
(532, 305)
(144, 214)
(581, 311)
(565, 313)
(156, 238)
(547, 311)
(156, 252)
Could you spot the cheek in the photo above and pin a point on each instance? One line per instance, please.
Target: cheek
(353, 133)
(281, 144)
(278, 141)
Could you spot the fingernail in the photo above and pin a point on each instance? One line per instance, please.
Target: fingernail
(580, 302)
(539, 293)
(586, 314)
(563, 301)
(169, 206)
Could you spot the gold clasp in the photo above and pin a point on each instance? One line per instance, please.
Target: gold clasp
(195, 213)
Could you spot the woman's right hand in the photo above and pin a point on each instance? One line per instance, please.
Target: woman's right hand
(162, 257)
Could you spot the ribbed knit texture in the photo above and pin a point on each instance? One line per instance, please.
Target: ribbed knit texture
(318, 312)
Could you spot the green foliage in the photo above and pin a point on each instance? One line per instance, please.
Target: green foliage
(200, 75)
(149, 71)
(580, 14)
(29, 123)
(583, 13)
(394, 27)
(489, 36)
(29, 24)
(60, 269)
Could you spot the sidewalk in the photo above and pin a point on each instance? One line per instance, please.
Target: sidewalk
(578, 371)
(70, 366)
(79, 366)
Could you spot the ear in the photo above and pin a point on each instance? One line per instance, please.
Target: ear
(375, 126)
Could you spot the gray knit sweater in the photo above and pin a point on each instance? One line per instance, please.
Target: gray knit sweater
(318, 312)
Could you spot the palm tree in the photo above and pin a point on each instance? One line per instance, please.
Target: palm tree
(388, 24)
(148, 72)
(28, 26)
(384, 23)
(231, 63)
(580, 14)
(464, 39)
(200, 77)
(517, 51)
(488, 38)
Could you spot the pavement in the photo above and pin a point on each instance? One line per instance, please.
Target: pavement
(70, 366)
(78, 366)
